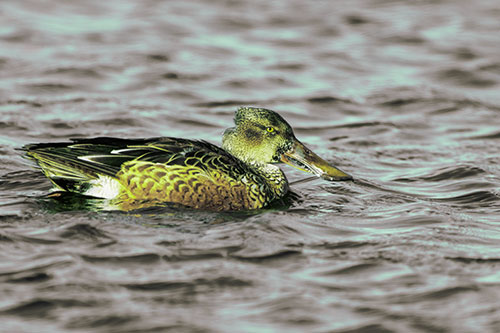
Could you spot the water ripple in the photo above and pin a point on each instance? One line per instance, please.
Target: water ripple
(393, 92)
(446, 173)
(220, 282)
(143, 259)
(42, 308)
(475, 199)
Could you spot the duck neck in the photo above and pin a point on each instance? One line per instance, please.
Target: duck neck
(274, 176)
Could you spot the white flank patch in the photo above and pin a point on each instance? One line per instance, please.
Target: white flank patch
(104, 187)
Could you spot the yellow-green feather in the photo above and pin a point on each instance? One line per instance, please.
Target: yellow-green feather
(136, 173)
(189, 186)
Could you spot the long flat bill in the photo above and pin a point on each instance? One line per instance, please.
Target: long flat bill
(304, 159)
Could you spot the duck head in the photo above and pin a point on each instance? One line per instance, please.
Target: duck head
(262, 136)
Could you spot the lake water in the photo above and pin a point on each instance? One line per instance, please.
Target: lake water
(403, 95)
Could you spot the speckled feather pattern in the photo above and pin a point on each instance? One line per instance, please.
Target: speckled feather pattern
(151, 171)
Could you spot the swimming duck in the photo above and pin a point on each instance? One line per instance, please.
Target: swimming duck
(132, 173)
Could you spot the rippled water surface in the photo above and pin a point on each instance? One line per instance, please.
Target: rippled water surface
(404, 95)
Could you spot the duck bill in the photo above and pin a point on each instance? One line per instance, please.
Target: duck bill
(302, 158)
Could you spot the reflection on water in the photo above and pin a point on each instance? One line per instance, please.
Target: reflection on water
(402, 95)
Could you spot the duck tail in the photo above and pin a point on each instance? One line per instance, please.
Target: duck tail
(68, 166)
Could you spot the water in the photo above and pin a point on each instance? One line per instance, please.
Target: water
(402, 95)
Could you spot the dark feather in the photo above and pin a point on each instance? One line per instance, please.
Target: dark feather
(105, 155)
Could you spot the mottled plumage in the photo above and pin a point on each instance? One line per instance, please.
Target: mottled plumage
(135, 173)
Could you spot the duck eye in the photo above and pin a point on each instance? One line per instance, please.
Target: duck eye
(270, 129)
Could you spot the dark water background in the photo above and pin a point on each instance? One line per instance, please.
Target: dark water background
(404, 95)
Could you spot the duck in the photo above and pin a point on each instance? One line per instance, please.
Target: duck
(136, 173)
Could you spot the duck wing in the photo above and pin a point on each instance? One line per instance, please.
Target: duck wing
(86, 159)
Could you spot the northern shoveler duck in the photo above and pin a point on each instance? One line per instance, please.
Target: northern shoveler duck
(133, 173)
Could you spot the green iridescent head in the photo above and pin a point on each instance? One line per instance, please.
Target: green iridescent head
(262, 136)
